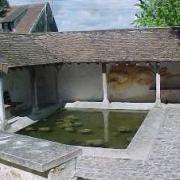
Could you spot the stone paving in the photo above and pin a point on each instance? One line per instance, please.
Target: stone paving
(33, 153)
(162, 162)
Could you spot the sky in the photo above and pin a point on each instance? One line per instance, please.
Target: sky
(82, 15)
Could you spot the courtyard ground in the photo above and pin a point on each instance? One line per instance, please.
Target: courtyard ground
(160, 163)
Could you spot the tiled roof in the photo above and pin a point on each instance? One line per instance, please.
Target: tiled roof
(129, 45)
(14, 13)
(21, 50)
(157, 44)
(30, 15)
(29, 18)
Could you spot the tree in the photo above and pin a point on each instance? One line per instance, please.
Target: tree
(3, 6)
(158, 13)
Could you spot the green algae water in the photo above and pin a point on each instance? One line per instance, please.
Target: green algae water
(108, 129)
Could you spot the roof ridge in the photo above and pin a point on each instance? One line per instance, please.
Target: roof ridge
(33, 4)
(101, 30)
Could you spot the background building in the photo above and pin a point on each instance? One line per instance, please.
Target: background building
(28, 19)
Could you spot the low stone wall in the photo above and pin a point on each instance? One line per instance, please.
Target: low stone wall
(27, 158)
(63, 172)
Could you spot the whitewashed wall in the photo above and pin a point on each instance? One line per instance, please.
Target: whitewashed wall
(137, 83)
(131, 83)
(80, 82)
(84, 83)
(46, 85)
(17, 83)
(170, 82)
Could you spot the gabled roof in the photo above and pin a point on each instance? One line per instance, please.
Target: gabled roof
(29, 19)
(29, 15)
(127, 45)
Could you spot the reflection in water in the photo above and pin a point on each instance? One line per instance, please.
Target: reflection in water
(106, 119)
(108, 129)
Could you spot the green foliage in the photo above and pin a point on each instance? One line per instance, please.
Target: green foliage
(158, 13)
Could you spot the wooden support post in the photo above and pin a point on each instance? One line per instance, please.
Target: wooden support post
(158, 87)
(58, 67)
(34, 93)
(105, 86)
(3, 122)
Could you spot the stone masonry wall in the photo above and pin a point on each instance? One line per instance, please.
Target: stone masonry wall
(84, 83)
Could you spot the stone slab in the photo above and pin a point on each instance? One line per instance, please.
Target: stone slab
(20, 122)
(161, 163)
(36, 154)
(111, 106)
(141, 143)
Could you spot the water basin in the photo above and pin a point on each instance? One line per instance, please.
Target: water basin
(108, 129)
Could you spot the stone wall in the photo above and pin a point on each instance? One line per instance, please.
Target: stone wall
(46, 77)
(125, 83)
(170, 82)
(84, 83)
(131, 83)
(27, 158)
(18, 84)
(80, 82)
(65, 171)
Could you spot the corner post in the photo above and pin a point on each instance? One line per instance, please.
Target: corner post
(105, 86)
(3, 122)
(158, 87)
